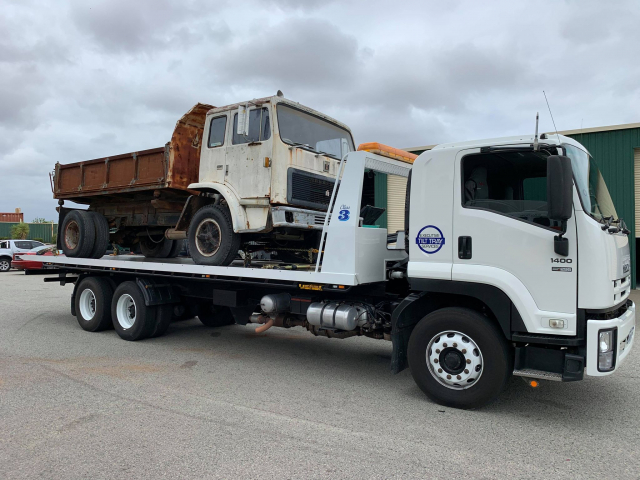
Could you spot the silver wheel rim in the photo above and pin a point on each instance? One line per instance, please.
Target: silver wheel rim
(126, 311)
(87, 305)
(455, 360)
(208, 237)
(4, 265)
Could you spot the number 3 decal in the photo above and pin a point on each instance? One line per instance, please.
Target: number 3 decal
(343, 215)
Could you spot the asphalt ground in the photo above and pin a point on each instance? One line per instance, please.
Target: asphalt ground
(227, 403)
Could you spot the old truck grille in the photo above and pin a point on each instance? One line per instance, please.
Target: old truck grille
(308, 189)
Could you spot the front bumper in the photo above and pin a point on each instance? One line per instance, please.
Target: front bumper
(624, 327)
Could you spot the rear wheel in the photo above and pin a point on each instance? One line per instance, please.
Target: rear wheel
(215, 316)
(5, 264)
(459, 358)
(163, 319)
(102, 235)
(78, 234)
(132, 319)
(93, 304)
(156, 247)
(212, 240)
(176, 248)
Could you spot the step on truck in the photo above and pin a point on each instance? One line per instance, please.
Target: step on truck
(512, 261)
(252, 176)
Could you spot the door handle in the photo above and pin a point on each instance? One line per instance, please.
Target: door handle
(464, 248)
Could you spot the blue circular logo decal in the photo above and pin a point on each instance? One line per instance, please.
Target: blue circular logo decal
(430, 239)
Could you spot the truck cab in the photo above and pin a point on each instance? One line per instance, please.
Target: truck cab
(270, 165)
(488, 228)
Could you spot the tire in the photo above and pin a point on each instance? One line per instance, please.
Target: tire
(176, 248)
(102, 235)
(151, 249)
(5, 264)
(214, 316)
(132, 325)
(93, 304)
(212, 240)
(182, 312)
(163, 319)
(78, 234)
(448, 331)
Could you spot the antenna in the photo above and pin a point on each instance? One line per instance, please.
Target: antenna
(554, 122)
(535, 138)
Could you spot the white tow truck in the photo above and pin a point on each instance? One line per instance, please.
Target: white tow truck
(512, 262)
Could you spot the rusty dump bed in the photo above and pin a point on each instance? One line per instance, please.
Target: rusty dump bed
(174, 166)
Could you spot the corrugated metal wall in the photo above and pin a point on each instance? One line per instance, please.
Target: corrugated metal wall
(36, 230)
(613, 152)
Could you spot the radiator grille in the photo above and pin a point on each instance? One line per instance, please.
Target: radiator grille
(309, 189)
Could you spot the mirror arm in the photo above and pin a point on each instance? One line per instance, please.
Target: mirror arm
(561, 244)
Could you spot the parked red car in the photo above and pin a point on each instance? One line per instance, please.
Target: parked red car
(32, 260)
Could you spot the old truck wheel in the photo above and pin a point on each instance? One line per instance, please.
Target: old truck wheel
(176, 248)
(78, 234)
(155, 248)
(102, 235)
(132, 319)
(93, 304)
(459, 358)
(212, 240)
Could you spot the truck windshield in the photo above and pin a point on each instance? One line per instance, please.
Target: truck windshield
(592, 188)
(306, 130)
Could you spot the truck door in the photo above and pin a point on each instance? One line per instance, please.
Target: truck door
(248, 157)
(212, 156)
(504, 238)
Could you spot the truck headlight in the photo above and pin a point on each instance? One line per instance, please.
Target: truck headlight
(606, 350)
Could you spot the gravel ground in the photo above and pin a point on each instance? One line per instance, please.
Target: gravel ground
(227, 403)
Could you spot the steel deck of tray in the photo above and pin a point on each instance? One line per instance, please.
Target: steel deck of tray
(186, 267)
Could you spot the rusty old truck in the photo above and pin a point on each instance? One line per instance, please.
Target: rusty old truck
(244, 177)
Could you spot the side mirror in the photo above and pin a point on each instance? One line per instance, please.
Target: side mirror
(243, 121)
(559, 187)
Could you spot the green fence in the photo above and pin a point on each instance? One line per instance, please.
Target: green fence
(37, 231)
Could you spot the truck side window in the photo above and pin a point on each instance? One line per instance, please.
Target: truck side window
(259, 127)
(216, 131)
(4, 244)
(509, 183)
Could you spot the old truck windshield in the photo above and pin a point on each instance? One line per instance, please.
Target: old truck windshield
(592, 188)
(306, 130)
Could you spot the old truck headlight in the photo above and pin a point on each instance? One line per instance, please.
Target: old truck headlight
(606, 350)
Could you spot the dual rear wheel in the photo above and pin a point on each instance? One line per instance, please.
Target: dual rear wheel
(100, 304)
(85, 234)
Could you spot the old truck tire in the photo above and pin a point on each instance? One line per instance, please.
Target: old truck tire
(459, 358)
(155, 249)
(78, 234)
(132, 319)
(101, 242)
(176, 248)
(212, 240)
(215, 316)
(93, 304)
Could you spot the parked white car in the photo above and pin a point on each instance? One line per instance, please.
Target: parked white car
(9, 247)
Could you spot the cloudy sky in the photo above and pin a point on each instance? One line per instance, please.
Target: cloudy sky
(90, 78)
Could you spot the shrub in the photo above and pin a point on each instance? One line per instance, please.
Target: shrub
(20, 231)
(54, 238)
(38, 239)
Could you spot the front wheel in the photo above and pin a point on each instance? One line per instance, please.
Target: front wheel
(459, 358)
(212, 240)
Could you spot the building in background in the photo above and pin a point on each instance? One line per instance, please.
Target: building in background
(17, 216)
(616, 150)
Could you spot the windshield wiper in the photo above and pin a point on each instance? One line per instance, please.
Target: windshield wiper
(328, 154)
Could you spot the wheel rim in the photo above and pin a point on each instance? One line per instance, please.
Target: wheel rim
(87, 304)
(208, 237)
(71, 235)
(454, 360)
(4, 265)
(126, 311)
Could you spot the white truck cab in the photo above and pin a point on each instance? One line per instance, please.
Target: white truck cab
(485, 222)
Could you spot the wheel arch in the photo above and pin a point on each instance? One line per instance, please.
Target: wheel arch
(237, 211)
(437, 294)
